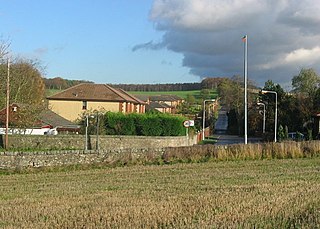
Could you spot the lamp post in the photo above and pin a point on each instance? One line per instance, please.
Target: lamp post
(275, 113)
(86, 125)
(264, 117)
(204, 114)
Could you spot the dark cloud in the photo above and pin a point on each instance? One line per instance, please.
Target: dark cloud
(149, 45)
(283, 36)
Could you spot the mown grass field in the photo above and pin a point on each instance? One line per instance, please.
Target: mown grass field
(50, 92)
(182, 94)
(232, 194)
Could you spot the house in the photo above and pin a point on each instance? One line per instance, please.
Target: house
(23, 120)
(171, 100)
(162, 107)
(166, 103)
(54, 121)
(73, 102)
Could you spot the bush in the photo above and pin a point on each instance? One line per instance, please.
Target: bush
(151, 124)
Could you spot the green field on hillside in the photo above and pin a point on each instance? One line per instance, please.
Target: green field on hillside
(182, 94)
(50, 92)
(233, 194)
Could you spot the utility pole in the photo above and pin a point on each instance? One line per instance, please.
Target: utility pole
(8, 104)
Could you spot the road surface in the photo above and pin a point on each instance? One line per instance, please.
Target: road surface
(220, 131)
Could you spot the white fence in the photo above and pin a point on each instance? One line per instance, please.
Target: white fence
(42, 131)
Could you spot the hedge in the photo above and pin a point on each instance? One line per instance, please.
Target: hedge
(150, 124)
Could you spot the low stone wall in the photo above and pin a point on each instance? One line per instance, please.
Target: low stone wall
(22, 160)
(77, 142)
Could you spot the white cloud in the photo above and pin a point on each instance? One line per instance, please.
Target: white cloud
(302, 57)
(282, 34)
(309, 56)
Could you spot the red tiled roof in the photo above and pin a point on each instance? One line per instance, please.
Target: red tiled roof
(94, 92)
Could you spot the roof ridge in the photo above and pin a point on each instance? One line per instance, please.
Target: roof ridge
(114, 90)
(131, 96)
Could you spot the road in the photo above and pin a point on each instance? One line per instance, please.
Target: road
(220, 131)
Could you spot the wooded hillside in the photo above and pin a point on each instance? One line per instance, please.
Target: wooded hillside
(206, 83)
(60, 83)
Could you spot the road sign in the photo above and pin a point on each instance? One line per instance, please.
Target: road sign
(188, 123)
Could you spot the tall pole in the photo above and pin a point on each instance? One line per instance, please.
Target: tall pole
(203, 118)
(8, 104)
(87, 124)
(245, 40)
(276, 119)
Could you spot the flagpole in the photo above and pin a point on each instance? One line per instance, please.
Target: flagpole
(245, 39)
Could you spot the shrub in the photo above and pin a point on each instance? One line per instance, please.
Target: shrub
(151, 124)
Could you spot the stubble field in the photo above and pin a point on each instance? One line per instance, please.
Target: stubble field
(232, 194)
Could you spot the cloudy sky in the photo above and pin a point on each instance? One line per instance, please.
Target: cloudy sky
(162, 41)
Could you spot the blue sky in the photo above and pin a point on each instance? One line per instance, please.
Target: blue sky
(91, 40)
(165, 41)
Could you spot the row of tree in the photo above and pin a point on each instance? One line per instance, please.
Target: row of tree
(296, 109)
(61, 84)
(159, 87)
(206, 83)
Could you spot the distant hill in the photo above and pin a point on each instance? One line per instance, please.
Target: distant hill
(61, 84)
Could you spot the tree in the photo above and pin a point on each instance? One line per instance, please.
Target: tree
(231, 92)
(26, 89)
(205, 94)
(4, 48)
(307, 82)
(190, 100)
(26, 83)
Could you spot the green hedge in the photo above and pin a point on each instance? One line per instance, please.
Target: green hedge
(150, 124)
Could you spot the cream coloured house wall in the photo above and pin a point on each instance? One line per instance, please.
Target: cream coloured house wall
(72, 110)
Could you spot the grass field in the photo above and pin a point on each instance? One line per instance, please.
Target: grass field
(182, 94)
(235, 194)
(50, 92)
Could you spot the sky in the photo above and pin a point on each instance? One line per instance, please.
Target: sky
(164, 41)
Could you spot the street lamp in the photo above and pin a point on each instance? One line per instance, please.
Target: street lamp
(264, 116)
(204, 114)
(86, 125)
(275, 113)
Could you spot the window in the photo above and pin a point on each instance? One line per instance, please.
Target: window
(84, 105)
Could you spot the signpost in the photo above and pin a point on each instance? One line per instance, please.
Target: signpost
(187, 124)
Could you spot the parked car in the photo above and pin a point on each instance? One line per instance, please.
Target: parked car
(297, 136)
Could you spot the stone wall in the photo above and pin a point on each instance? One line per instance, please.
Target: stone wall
(77, 142)
(22, 160)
